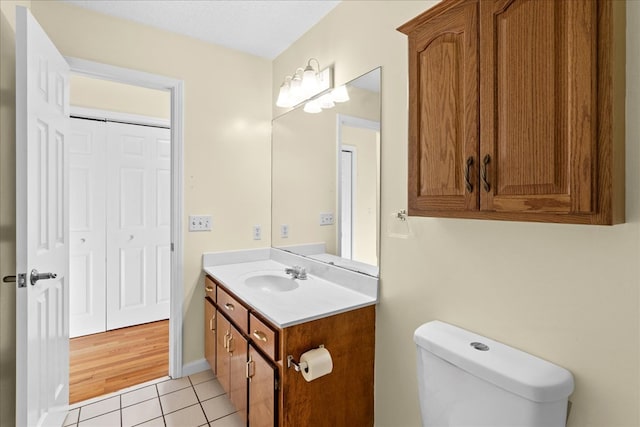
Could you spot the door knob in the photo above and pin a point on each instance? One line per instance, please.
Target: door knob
(35, 276)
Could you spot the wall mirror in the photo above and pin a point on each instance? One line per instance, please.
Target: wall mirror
(326, 179)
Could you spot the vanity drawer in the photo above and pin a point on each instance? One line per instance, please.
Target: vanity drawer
(210, 288)
(234, 309)
(263, 336)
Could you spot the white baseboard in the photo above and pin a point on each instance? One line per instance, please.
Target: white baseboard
(195, 367)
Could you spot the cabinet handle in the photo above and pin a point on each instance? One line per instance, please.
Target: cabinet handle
(250, 369)
(229, 306)
(225, 342)
(483, 173)
(260, 335)
(229, 342)
(467, 180)
(208, 288)
(212, 323)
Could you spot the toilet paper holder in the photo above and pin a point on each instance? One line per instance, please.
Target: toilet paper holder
(297, 365)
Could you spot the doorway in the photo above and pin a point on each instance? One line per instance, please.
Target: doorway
(119, 236)
(175, 250)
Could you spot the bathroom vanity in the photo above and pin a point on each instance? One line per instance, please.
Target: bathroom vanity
(257, 317)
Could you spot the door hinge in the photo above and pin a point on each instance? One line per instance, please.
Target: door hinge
(172, 247)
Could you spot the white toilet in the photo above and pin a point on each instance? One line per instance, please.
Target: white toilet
(468, 380)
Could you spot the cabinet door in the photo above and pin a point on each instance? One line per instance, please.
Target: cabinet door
(222, 356)
(443, 112)
(210, 333)
(262, 393)
(538, 105)
(238, 372)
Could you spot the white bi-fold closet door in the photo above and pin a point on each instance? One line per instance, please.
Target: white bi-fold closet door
(120, 216)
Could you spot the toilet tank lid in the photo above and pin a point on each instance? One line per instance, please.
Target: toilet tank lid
(506, 367)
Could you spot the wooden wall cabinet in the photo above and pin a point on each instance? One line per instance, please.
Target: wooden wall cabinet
(516, 110)
(252, 368)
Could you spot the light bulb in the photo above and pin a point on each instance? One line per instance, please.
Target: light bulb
(326, 101)
(309, 81)
(295, 92)
(313, 107)
(340, 94)
(284, 100)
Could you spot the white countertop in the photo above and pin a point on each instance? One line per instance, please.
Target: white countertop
(314, 298)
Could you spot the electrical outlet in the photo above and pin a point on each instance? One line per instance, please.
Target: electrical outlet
(326, 218)
(200, 222)
(257, 232)
(284, 231)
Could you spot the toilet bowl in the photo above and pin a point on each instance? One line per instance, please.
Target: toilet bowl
(468, 380)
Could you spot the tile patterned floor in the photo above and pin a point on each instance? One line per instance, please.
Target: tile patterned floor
(194, 401)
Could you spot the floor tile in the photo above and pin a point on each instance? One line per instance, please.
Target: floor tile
(112, 419)
(173, 385)
(208, 389)
(187, 417)
(156, 422)
(233, 420)
(141, 412)
(99, 408)
(218, 407)
(202, 377)
(139, 395)
(177, 400)
(72, 417)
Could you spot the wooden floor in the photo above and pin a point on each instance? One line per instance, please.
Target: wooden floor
(113, 360)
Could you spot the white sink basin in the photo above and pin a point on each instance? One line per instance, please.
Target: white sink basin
(271, 283)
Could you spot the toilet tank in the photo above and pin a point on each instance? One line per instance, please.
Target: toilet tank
(465, 379)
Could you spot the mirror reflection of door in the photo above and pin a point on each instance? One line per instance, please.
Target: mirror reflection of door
(347, 168)
(359, 178)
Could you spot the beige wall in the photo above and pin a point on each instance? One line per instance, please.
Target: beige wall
(113, 96)
(566, 293)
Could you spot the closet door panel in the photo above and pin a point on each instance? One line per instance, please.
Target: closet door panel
(138, 224)
(87, 144)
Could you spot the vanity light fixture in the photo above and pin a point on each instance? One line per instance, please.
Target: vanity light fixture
(304, 84)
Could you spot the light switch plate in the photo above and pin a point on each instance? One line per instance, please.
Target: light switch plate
(284, 231)
(200, 222)
(326, 218)
(257, 232)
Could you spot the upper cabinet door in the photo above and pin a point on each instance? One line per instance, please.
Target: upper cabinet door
(538, 144)
(443, 121)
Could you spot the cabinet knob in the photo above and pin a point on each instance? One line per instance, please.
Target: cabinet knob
(483, 173)
(467, 180)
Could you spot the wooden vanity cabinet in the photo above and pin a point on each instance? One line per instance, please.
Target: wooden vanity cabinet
(516, 110)
(210, 333)
(262, 390)
(230, 363)
(251, 366)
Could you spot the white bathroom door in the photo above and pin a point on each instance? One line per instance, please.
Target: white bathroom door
(42, 321)
(138, 224)
(87, 232)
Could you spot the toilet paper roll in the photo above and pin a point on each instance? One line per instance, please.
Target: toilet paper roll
(316, 363)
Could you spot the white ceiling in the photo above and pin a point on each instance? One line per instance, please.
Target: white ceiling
(260, 27)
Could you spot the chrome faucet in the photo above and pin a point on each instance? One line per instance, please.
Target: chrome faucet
(297, 272)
